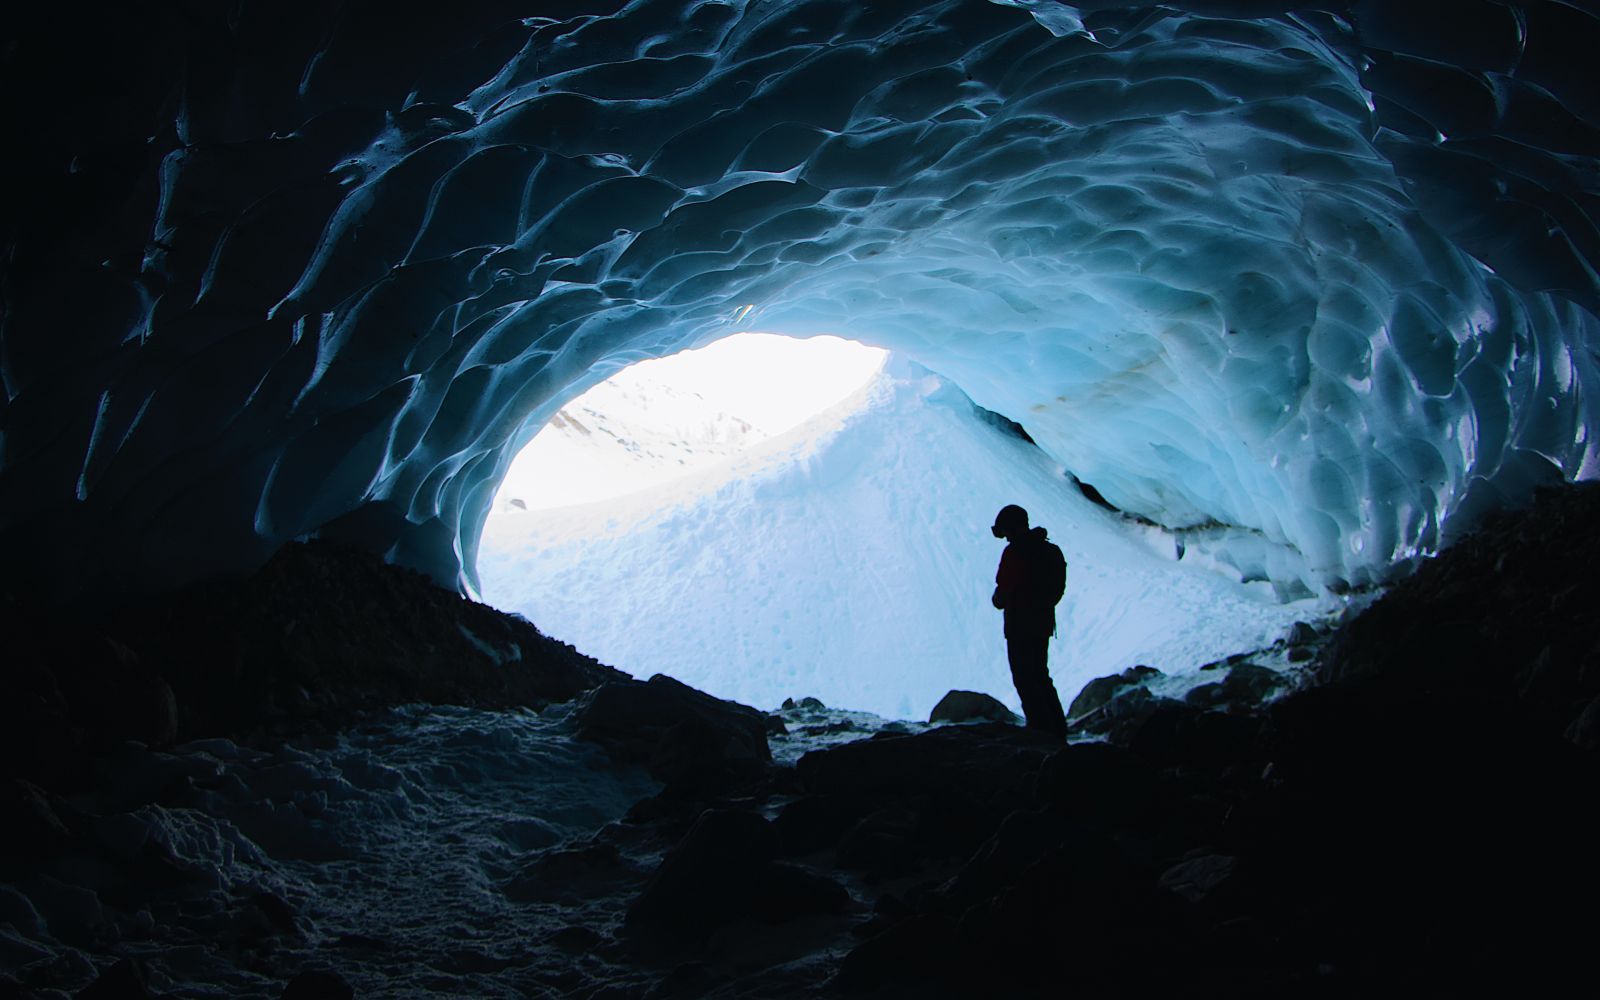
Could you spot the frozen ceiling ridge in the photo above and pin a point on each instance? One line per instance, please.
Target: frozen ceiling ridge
(1325, 276)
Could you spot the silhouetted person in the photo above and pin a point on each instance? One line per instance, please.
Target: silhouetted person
(1027, 587)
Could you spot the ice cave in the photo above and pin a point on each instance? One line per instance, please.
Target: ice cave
(1284, 317)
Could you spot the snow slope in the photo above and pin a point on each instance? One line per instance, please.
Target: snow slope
(608, 436)
(850, 559)
(657, 420)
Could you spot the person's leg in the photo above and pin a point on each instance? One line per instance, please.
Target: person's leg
(1030, 672)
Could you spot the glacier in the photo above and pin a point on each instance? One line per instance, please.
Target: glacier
(1323, 275)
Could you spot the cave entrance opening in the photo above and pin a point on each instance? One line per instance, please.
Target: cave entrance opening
(847, 557)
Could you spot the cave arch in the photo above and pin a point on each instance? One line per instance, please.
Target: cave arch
(330, 291)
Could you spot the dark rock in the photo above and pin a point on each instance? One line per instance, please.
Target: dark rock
(1099, 783)
(883, 844)
(1546, 681)
(684, 737)
(1199, 877)
(789, 704)
(1174, 732)
(1248, 684)
(1126, 714)
(10, 989)
(918, 799)
(786, 892)
(1024, 837)
(1585, 729)
(1245, 687)
(278, 913)
(986, 762)
(319, 634)
(33, 828)
(723, 871)
(127, 980)
(1485, 610)
(1205, 696)
(576, 938)
(1080, 888)
(832, 728)
(1102, 690)
(816, 822)
(318, 984)
(572, 874)
(322, 630)
(923, 949)
(965, 706)
(1303, 634)
(114, 693)
(691, 979)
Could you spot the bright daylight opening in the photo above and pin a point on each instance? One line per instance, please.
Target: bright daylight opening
(659, 420)
(769, 518)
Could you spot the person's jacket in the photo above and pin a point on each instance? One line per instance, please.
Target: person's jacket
(1028, 611)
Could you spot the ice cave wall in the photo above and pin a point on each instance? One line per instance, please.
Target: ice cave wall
(1324, 275)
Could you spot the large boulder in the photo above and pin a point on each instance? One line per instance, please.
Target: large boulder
(919, 956)
(318, 984)
(1100, 691)
(684, 737)
(1174, 732)
(970, 706)
(985, 762)
(126, 980)
(892, 805)
(1100, 783)
(725, 871)
(572, 874)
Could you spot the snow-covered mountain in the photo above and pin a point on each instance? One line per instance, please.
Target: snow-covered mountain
(631, 432)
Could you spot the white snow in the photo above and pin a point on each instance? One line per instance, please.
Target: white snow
(657, 420)
(850, 559)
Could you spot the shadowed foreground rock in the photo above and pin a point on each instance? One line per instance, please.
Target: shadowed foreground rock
(684, 737)
(725, 870)
(320, 634)
(1420, 821)
(966, 706)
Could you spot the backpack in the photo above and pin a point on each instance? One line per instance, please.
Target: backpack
(1050, 572)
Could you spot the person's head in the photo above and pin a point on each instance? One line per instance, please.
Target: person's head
(1011, 522)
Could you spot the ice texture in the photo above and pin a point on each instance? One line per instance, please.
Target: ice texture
(1324, 276)
(850, 559)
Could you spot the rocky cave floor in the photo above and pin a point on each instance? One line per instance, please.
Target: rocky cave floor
(1412, 807)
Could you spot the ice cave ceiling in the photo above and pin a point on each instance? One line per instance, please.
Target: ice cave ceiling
(1324, 273)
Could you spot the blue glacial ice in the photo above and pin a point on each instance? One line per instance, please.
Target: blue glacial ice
(1324, 278)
